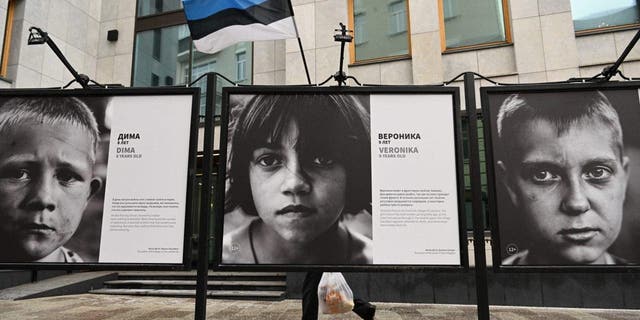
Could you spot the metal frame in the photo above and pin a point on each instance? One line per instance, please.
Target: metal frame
(193, 141)
(220, 189)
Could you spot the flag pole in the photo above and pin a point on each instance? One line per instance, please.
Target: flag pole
(304, 60)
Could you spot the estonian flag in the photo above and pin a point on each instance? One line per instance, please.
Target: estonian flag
(217, 24)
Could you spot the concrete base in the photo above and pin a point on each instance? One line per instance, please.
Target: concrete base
(574, 290)
(12, 278)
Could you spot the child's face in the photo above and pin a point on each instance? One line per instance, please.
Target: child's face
(571, 189)
(299, 196)
(46, 178)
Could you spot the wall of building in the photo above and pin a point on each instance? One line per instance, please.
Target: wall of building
(73, 25)
(544, 48)
(269, 62)
(115, 58)
(79, 29)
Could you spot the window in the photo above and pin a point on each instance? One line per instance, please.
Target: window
(598, 15)
(380, 30)
(473, 24)
(157, 43)
(163, 47)
(359, 34)
(150, 7)
(200, 68)
(241, 66)
(358, 6)
(449, 10)
(397, 17)
(151, 58)
(225, 63)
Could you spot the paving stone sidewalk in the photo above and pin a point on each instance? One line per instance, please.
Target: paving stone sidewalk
(114, 307)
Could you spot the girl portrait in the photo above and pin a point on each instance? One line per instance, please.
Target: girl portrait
(298, 180)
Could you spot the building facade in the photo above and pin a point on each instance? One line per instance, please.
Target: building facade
(396, 42)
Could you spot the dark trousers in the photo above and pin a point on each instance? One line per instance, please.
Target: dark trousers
(310, 299)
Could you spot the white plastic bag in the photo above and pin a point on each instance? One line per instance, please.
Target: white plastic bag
(334, 295)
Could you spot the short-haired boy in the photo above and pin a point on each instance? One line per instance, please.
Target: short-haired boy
(47, 154)
(566, 173)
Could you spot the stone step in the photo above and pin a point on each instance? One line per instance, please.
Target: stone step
(232, 285)
(232, 294)
(193, 283)
(212, 275)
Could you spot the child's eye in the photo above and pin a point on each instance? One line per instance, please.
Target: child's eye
(542, 176)
(323, 161)
(268, 160)
(67, 176)
(16, 174)
(598, 173)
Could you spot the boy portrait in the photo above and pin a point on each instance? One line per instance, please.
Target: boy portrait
(562, 172)
(48, 152)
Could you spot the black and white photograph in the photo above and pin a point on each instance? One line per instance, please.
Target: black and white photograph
(87, 180)
(298, 180)
(53, 159)
(566, 169)
(339, 178)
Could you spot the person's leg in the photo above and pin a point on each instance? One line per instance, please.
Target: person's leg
(310, 295)
(364, 309)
